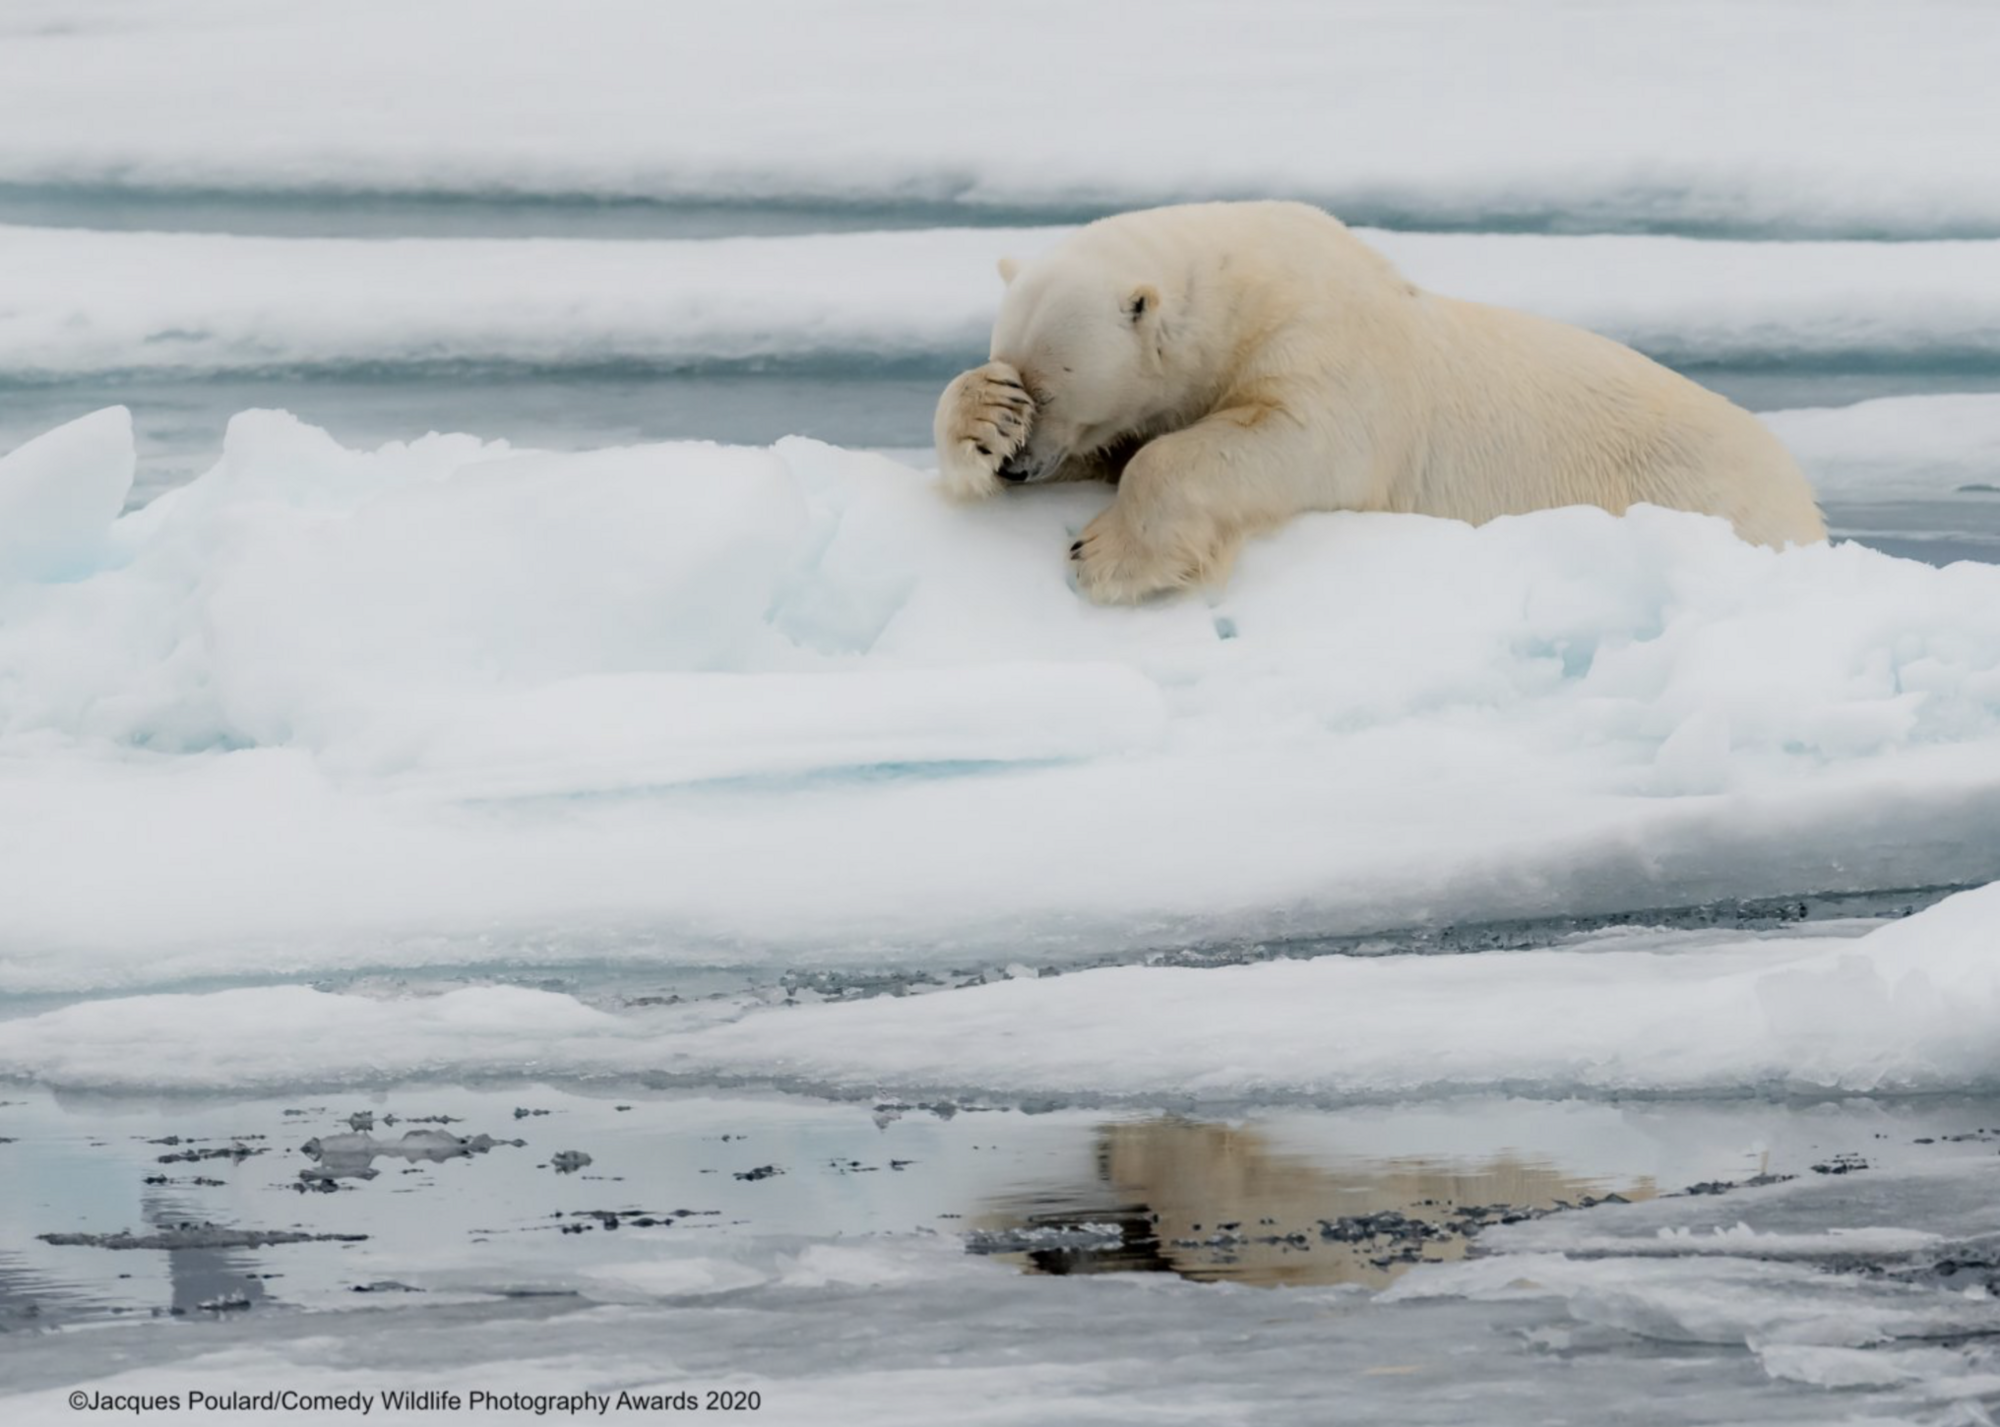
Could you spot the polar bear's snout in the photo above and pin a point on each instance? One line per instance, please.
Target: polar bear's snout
(1025, 468)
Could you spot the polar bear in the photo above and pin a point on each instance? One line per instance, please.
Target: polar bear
(1231, 365)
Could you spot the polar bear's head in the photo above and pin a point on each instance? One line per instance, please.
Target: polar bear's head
(1093, 346)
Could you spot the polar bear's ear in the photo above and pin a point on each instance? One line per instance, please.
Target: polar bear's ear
(1142, 302)
(1009, 267)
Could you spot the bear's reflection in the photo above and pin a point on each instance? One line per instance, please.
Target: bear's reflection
(1215, 1201)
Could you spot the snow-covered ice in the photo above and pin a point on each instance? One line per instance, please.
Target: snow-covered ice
(59, 495)
(74, 302)
(1898, 446)
(275, 1036)
(1908, 1008)
(1784, 117)
(455, 703)
(321, 705)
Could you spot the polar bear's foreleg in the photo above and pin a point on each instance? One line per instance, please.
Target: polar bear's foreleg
(1186, 502)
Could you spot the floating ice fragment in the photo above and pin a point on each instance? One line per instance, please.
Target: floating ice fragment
(59, 494)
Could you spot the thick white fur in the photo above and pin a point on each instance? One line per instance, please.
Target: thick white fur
(1231, 365)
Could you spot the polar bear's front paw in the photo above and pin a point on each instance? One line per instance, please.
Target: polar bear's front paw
(982, 419)
(1114, 566)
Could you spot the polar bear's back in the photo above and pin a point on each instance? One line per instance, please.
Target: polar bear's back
(1459, 409)
(1523, 413)
(1340, 385)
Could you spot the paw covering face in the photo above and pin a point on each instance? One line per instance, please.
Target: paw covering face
(1090, 345)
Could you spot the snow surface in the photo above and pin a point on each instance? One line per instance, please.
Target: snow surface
(75, 301)
(1908, 1008)
(289, 1035)
(1787, 116)
(1898, 446)
(321, 707)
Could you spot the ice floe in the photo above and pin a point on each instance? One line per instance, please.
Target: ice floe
(320, 705)
(1908, 1008)
(1790, 118)
(75, 302)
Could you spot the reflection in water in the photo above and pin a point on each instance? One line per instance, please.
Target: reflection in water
(27, 1296)
(93, 1225)
(202, 1280)
(1216, 1201)
(352, 1156)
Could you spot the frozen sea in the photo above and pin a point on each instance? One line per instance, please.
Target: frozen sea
(538, 857)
